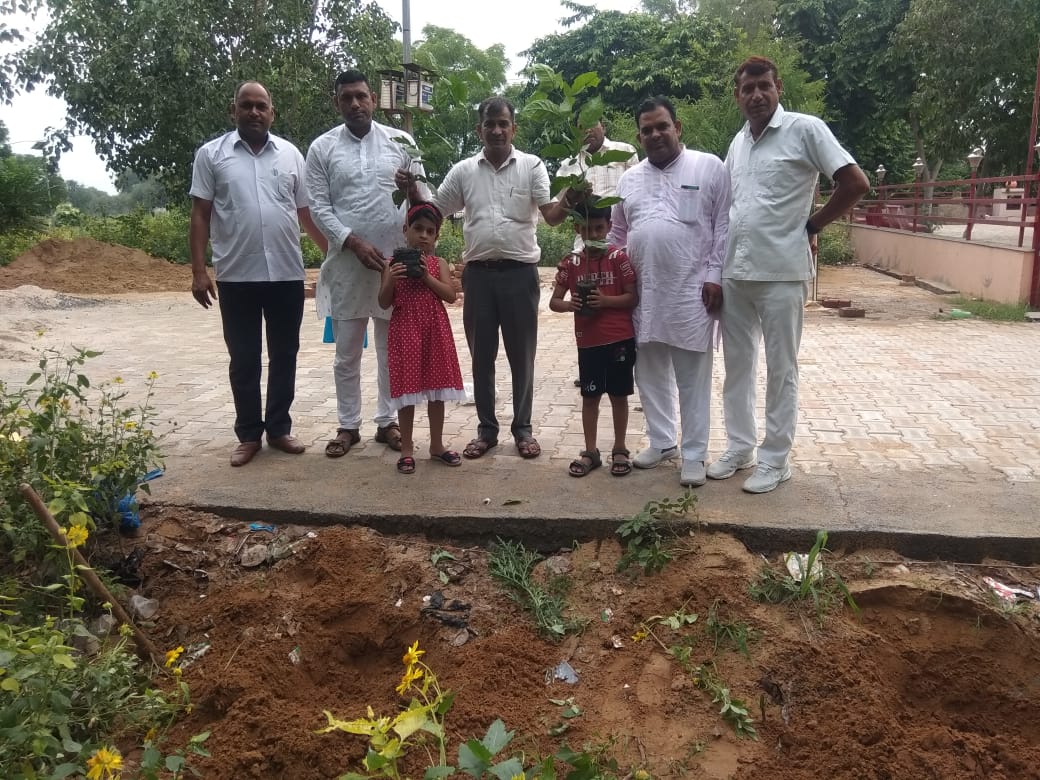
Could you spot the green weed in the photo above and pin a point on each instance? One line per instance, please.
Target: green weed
(736, 634)
(646, 537)
(513, 566)
(992, 310)
(820, 585)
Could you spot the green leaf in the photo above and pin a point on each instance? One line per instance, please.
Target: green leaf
(445, 703)
(497, 737)
(507, 769)
(591, 113)
(584, 81)
(63, 660)
(175, 763)
(434, 772)
(559, 151)
(609, 156)
(33, 377)
(398, 197)
(11, 685)
(82, 380)
(441, 555)
(474, 758)
(603, 203)
(62, 771)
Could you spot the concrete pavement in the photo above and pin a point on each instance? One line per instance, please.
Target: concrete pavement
(916, 434)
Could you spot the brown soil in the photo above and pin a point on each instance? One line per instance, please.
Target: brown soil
(931, 680)
(87, 267)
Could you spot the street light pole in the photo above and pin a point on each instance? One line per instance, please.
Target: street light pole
(918, 167)
(406, 52)
(973, 160)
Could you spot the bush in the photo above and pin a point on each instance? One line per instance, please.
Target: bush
(163, 234)
(555, 242)
(15, 243)
(450, 243)
(835, 245)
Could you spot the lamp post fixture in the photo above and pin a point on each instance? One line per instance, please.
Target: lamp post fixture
(918, 167)
(974, 160)
(880, 173)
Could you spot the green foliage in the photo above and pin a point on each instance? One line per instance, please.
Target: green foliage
(177, 63)
(818, 584)
(555, 242)
(313, 257)
(28, 193)
(15, 243)
(82, 448)
(835, 245)
(992, 310)
(733, 711)
(646, 537)
(450, 243)
(513, 566)
(723, 632)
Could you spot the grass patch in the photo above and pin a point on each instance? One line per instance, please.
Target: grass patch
(991, 310)
(513, 566)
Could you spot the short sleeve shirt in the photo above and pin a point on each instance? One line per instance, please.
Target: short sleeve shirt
(774, 180)
(254, 227)
(611, 272)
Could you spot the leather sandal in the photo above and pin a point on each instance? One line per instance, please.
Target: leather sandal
(478, 448)
(390, 435)
(579, 468)
(620, 468)
(528, 447)
(345, 439)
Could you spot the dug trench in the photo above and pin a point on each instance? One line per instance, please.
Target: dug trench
(931, 678)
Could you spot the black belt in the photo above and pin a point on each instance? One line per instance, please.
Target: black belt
(498, 265)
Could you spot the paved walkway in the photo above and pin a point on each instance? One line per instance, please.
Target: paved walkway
(915, 432)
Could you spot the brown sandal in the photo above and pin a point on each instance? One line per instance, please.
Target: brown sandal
(620, 468)
(478, 448)
(579, 468)
(345, 439)
(390, 435)
(528, 447)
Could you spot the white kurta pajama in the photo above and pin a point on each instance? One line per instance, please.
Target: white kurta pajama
(768, 262)
(674, 222)
(351, 185)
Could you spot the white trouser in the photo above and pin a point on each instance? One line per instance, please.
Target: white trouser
(346, 368)
(664, 373)
(752, 311)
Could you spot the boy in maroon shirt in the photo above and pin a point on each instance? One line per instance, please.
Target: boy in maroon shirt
(601, 284)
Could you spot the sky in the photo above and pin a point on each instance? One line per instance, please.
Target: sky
(484, 23)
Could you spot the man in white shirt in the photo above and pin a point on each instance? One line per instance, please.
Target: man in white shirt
(674, 220)
(503, 191)
(249, 201)
(350, 178)
(774, 162)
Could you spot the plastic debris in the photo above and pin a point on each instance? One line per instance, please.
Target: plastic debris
(254, 555)
(194, 653)
(262, 527)
(1007, 592)
(616, 642)
(960, 314)
(487, 501)
(295, 656)
(797, 563)
(143, 608)
(606, 615)
(565, 672)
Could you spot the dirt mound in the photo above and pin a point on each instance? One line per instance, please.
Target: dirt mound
(929, 681)
(88, 267)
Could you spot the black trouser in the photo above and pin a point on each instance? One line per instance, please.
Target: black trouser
(280, 305)
(501, 294)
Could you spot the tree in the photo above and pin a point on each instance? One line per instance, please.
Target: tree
(467, 76)
(28, 192)
(754, 17)
(148, 82)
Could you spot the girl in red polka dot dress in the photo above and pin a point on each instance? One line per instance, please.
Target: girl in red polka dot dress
(421, 356)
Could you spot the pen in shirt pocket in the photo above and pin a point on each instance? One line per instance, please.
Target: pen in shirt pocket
(689, 187)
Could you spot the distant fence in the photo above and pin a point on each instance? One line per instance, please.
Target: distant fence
(998, 211)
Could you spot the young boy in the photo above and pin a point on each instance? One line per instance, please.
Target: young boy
(602, 288)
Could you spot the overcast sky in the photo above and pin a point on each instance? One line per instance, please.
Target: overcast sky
(484, 23)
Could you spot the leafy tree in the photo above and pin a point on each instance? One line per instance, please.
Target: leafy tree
(10, 36)
(754, 17)
(467, 75)
(5, 138)
(90, 200)
(28, 192)
(149, 81)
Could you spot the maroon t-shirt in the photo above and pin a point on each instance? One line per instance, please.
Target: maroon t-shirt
(611, 271)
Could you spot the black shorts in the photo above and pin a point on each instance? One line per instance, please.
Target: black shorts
(607, 369)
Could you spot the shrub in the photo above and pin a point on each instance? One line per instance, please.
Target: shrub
(450, 243)
(835, 245)
(15, 243)
(555, 242)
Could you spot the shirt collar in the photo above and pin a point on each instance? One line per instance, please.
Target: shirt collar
(774, 121)
(237, 139)
(481, 158)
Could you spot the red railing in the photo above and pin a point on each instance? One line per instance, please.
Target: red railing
(994, 209)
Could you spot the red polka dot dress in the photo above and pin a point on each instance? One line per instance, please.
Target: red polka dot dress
(421, 356)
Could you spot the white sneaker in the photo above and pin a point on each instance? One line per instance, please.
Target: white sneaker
(729, 463)
(692, 473)
(766, 478)
(651, 456)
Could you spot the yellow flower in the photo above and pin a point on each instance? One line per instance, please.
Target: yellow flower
(640, 635)
(153, 375)
(178, 672)
(118, 380)
(105, 764)
(172, 656)
(125, 630)
(411, 657)
(129, 425)
(410, 676)
(518, 776)
(151, 735)
(75, 535)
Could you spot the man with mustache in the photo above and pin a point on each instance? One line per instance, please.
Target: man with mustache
(350, 177)
(775, 162)
(249, 201)
(673, 218)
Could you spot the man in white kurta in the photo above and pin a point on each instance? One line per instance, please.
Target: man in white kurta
(350, 178)
(674, 220)
(774, 162)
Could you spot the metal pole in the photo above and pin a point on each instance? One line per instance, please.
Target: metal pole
(406, 49)
(1030, 154)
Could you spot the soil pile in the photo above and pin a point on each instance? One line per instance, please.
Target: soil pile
(87, 267)
(930, 680)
